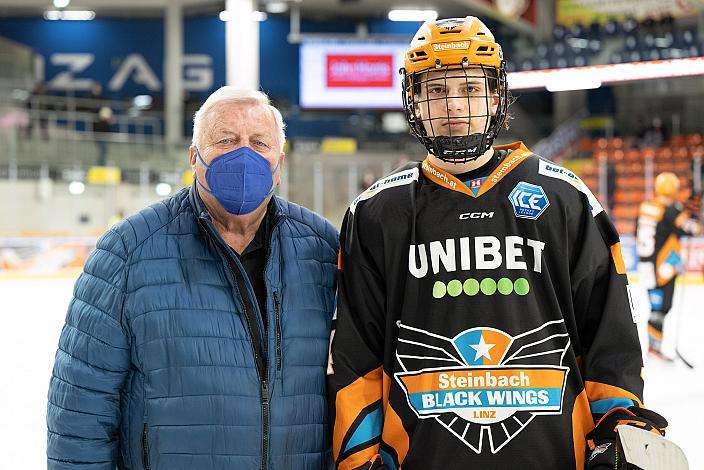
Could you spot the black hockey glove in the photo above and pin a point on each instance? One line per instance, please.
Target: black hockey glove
(603, 448)
(693, 205)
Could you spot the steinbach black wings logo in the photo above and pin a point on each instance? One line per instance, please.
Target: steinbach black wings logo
(483, 384)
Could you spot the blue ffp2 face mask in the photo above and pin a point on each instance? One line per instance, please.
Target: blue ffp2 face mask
(240, 180)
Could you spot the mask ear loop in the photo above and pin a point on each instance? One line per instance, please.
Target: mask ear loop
(273, 186)
(207, 167)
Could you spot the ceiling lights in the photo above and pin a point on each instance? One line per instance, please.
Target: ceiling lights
(256, 16)
(276, 7)
(413, 15)
(70, 15)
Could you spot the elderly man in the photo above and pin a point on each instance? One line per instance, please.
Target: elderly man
(197, 336)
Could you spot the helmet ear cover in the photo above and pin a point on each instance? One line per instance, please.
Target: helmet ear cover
(463, 47)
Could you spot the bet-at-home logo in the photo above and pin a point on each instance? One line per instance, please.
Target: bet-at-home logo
(529, 200)
(483, 381)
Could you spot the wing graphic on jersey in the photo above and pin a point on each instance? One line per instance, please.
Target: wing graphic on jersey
(483, 385)
(544, 345)
(472, 434)
(417, 349)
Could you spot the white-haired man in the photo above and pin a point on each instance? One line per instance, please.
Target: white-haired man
(197, 336)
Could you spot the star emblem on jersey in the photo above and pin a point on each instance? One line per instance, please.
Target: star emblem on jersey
(529, 200)
(484, 385)
(482, 348)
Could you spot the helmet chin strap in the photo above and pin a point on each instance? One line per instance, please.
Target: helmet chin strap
(460, 149)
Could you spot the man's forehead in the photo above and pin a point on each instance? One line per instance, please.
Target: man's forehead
(234, 108)
(228, 114)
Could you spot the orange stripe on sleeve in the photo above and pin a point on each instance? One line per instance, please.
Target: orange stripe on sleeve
(618, 258)
(655, 332)
(600, 391)
(394, 434)
(349, 403)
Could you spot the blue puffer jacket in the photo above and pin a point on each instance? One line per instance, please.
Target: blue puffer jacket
(163, 363)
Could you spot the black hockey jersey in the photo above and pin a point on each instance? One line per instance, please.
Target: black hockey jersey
(479, 325)
(658, 234)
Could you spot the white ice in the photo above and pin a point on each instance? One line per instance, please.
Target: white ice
(33, 313)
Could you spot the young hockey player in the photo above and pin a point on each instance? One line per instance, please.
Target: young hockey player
(661, 224)
(483, 316)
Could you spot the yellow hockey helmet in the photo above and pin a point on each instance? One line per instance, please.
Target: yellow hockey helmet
(455, 44)
(667, 184)
(452, 42)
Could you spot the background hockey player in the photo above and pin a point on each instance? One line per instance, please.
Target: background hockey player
(662, 222)
(483, 316)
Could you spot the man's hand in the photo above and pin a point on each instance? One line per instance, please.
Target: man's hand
(603, 450)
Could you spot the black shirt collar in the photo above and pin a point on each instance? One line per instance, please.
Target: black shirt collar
(261, 237)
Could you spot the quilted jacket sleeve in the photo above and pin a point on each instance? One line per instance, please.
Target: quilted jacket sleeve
(90, 367)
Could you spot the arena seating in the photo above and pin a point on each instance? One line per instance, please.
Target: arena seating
(630, 165)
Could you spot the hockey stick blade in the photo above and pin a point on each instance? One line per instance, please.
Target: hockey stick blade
(684, 361)
(648, 451)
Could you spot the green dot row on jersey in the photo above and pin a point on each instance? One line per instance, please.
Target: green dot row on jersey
(486, 286)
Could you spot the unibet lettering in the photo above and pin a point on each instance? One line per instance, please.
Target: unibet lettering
(467, 253)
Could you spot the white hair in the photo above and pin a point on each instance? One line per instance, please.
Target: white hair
(232, 94)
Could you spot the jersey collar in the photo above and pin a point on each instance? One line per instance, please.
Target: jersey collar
(517, 153)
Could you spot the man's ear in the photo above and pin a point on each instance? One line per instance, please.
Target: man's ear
(193, 160)
(494, 104)
(282, 158)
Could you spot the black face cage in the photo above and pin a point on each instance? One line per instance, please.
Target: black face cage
(459, 148)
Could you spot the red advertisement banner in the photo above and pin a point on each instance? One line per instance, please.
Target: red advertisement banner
(359, 71)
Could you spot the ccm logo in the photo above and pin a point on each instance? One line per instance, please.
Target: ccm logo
(476, 215)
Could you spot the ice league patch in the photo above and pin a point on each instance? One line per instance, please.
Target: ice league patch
(483, 384)
(529, 200)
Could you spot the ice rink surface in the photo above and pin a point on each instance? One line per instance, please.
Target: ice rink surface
(33, 314)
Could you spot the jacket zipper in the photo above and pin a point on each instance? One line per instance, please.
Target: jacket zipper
(259, 357)
(264, 383)
(145, 448)
(277, 311)
(265, 419)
